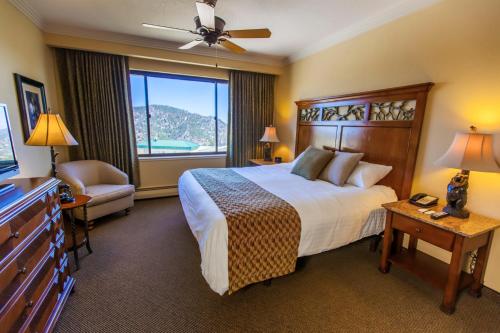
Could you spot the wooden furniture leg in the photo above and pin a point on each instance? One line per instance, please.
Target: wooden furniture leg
(86, 229)
(73, 236)
(127, 211)
(412, 244)
(479, 268)
(454, 274)
(386, 247)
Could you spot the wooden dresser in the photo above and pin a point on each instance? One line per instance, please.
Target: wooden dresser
(34, 271)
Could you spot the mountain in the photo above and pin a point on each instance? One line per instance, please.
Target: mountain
(170, 123)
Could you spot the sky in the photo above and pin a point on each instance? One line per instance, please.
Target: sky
(193, 96)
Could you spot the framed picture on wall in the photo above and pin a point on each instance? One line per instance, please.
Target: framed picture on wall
(32, 102)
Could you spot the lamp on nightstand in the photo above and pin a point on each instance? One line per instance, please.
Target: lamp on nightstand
(468, 152)
(269, 137)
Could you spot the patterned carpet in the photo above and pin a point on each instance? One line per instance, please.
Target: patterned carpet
(144, 276)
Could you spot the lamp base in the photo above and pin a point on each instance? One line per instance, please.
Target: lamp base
(457, 195)
(460, 213)
(267, 152)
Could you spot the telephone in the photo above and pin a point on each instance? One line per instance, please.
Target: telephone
(423, 200)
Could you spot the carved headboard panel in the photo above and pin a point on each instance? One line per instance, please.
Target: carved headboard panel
(383, 124)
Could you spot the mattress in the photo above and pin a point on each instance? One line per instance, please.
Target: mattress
(331, 216)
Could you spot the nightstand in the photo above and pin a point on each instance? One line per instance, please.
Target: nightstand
(459, 236)
(260, 161)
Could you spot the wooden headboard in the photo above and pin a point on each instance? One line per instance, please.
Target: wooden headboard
(383, 124)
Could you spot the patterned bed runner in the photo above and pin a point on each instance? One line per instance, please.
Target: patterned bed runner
(263, 229)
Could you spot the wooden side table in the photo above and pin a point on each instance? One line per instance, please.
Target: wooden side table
(260, 161)
(80, 201)
(459, 236)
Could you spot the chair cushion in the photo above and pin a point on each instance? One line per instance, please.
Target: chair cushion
(107, 192)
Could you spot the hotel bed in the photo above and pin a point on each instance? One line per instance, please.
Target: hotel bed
(331, 216)
(385, 125)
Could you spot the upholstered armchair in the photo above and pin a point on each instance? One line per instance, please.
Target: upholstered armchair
(108, 187)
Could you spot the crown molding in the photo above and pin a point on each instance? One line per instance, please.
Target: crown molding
(392, 13)
(113, 37)
(28, 11)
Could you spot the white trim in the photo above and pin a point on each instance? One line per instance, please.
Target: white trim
(399, 9)
(183, 157)
(24, 7)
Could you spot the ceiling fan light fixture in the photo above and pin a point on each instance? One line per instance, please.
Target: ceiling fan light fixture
(210, 28)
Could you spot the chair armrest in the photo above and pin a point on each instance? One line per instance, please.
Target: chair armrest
(112, 175)
(76, 184)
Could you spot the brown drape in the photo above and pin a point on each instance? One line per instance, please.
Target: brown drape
(251, 109)
(97, 104)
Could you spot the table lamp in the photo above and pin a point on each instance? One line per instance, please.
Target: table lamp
(51, 131)
(468, 152)
(269, 137)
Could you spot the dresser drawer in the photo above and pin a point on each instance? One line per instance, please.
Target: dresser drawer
(425, 232)
(17, 311)
(15, 231)
(41, 318)
(22, 266)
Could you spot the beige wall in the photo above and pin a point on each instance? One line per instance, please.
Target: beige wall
(454, 44)
(23, 51)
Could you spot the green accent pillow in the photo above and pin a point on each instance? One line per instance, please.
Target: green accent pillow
(311, 162)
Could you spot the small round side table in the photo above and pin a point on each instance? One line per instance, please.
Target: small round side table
(80, 201)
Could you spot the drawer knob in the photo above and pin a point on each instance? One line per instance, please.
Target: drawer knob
(14, 234)
(29, 304)
(23, 270)
(418, 230)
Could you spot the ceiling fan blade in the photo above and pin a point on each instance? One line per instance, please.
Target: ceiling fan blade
(231, 46)
(206, 13)
(190, 45)
(249, 33)
(162, 27)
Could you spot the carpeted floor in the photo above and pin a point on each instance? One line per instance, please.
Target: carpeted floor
(144, 276)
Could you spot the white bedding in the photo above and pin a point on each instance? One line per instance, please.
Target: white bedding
(331, 216)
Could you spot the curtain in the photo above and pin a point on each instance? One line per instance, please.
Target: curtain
(251, 109)
(97, 104)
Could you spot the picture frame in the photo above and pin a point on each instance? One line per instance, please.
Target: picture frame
(32, 102)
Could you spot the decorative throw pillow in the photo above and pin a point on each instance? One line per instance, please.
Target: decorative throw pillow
(365, 174)
(310, 163)
(340, 168)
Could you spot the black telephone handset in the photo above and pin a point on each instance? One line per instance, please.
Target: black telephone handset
(423, 200)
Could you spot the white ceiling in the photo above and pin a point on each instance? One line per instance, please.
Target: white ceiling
(299, 27)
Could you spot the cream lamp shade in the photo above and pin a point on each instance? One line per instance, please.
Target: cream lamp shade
(470, 151)
(51, 131)
(270, 135)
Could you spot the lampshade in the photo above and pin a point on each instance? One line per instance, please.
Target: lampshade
(470, 151)
(270, 135)
(51, 131)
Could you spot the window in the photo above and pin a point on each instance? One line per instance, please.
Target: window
(179, 115)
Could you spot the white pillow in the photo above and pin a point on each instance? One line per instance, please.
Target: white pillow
(365, 175)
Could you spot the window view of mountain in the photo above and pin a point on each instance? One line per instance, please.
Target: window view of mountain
(174, 129)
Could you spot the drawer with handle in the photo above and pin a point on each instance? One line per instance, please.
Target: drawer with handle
(18, 309)
(423, 231)
(19, 269)
(17, 229)
(40, 320)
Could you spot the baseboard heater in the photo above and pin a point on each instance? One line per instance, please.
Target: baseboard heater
(156, 192)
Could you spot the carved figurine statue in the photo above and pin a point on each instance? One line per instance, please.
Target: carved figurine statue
(457, 195)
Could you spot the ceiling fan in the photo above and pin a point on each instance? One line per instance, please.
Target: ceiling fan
(210, 29)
